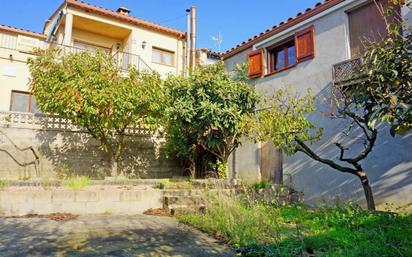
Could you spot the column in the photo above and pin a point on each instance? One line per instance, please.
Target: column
(68, 27)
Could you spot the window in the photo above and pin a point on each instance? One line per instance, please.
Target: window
(23, 102)
(90, 47)
(164, 57)
(283, 56)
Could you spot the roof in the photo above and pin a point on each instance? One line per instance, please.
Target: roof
(21, 31)
(125, 18)
(301, 16)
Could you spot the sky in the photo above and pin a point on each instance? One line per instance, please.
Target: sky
(235, 20)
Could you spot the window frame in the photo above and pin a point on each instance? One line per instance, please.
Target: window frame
(30, 110)
(163, 51)
(284, 45)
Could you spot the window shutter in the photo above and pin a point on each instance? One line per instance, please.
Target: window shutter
(305, 44)
(255, 63)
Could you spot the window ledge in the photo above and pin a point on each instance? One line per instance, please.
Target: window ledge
(281, 70)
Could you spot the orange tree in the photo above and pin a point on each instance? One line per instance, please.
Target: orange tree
(91, 91)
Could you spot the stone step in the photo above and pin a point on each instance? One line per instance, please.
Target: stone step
(176, 209)
(186, 200)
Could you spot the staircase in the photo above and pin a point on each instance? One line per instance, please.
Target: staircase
(180, 201)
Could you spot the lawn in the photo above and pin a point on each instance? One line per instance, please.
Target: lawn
(260, 229)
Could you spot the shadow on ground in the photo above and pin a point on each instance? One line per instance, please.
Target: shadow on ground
(105, 235)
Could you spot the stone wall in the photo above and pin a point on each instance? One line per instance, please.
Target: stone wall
(65, 150)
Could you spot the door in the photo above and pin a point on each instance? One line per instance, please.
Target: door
(271, 163)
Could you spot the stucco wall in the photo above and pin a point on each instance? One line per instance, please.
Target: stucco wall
(14, 73)
(390, 164)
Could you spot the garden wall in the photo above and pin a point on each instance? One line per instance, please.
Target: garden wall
(16, 203)
(65, 150)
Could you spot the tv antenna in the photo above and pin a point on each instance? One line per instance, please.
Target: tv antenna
(218, 40)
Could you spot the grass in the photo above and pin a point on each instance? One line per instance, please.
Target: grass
(263, 230)
(77, 183)
(168, 184)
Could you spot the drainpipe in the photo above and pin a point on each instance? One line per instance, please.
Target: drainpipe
(187, 50)
(193, 37)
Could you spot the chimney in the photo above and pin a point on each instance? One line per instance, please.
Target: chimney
(123, 10)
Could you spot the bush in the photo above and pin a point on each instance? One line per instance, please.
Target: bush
(77, 183)
(260, 229)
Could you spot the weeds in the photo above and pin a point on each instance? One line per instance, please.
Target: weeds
(260, 229)
(77, 183)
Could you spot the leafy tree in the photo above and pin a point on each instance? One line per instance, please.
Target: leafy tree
(206, 114)
(90, 90)
(283, 119)
(387, 66)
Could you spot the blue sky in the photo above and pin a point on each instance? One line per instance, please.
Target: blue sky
(236, 20)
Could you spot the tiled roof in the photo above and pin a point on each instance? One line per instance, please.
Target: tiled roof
(125, 18)
(21, 31)
(301, 16)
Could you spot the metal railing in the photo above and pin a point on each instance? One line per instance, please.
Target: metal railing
(347, 72)
(128, 60)
(124, 60)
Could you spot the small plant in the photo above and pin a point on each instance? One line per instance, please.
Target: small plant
(3, 185)
(221, 169)
(77, 183)
(261, 184)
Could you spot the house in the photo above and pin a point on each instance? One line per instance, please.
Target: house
(57, 145)
(79, 26)
(311, 50)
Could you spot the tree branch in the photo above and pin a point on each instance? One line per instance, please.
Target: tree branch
(309, 152)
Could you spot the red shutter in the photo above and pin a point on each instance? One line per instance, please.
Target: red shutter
(255, 63)
(305, 44)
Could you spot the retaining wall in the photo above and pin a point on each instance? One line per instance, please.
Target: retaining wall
(66, 150)
(79, 202)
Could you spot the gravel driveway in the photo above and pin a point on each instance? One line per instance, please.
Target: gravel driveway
(105, 235)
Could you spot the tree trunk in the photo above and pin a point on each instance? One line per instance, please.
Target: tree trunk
(367, 190)
(113, 164)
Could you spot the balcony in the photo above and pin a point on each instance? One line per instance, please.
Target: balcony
(124, 60)
(347, 72)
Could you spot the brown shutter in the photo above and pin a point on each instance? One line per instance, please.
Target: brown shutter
(255, 63)
(305, 44)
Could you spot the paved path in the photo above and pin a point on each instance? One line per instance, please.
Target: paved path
(105, 235)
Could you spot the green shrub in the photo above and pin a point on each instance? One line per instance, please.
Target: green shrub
(259, 229)
(77, 183)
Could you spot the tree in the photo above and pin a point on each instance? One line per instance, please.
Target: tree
(387, 66)
(206, 113)
(90, 90)
(283, 119)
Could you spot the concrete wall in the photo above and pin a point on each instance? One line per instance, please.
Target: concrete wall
(390, 164)
(17, 203)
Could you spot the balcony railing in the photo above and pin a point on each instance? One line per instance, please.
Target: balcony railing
(347, 72)
(124, 60)
(128, 60)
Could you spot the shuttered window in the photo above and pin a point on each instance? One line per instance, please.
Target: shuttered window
(305, 44)
(255, 63)
(375, 29)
